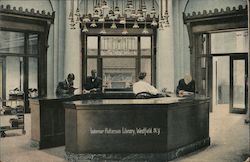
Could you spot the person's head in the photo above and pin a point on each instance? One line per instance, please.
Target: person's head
(142, 75)
(187, 78)
(93, 73)
(71, 78)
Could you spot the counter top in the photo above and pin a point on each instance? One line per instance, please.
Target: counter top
(151, 101)
(88, 96)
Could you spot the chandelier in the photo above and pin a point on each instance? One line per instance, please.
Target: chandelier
(96, 13)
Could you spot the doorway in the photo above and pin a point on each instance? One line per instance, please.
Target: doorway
(230, 70)
(238, 83)
(229, 82)
(229, 64)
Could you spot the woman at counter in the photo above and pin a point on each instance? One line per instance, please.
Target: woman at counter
(142, 89)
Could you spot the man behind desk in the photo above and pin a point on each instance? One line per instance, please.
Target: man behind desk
(65, 88)
(186, 86)
(93, 83)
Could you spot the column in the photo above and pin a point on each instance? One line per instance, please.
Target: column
(165, 55)
(72, 57)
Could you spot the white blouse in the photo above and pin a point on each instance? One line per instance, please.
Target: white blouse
(142, 86)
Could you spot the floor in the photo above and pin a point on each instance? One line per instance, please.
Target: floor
(229, 142)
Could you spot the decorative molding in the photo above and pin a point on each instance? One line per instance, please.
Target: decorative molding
(26, 12)
(240, 11)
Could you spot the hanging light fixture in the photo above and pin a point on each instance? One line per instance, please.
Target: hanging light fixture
(112, 16)
(140, 14)
(85, 29)
(101, 19)
(71, 15)
(125, 31)
(154, 22)
(96, 10)
(72, 24)
(166, 16)
(135, 26)
(134, 15)
(143, 6)
(113, 26)
(103, 31)
(161, 19)
(153, 10)
(77, 13)
(104, 4)
(86, 16)
(133, 11)
(117, 9)
(118, 13)
(93, 24)
(145, 30)
(129, 6)
(122, 18)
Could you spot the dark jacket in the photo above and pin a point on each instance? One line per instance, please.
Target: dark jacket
(190, 87)
(93, 83)
(64, 89)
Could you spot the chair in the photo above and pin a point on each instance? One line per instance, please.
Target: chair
(143, 95)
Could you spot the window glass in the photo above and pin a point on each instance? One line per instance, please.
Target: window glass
(14, 76)
(146, 46)
(92, 46)
(91, 64)
(118, 46)
(229, 42)
(33, 77)
(146, 67)
(33, 44)
(118, 72)
(11, 42)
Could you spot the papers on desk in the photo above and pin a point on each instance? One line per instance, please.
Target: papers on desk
(186, 93)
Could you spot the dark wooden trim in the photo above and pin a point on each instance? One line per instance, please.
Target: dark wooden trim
(27, 14)
(208, 16)
(153, 60)
(138, 59)
(227, 54)
(25, 67)
(3, 60)
(99, 60)
(84, 57)
(118, 32)
(132, 56)
(209, 76)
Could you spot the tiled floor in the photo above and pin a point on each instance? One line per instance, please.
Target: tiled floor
(229, 142)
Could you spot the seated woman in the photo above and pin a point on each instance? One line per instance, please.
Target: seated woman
(142, 89)
(186, 86)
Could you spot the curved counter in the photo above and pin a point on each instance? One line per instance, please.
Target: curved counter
(158, 128)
